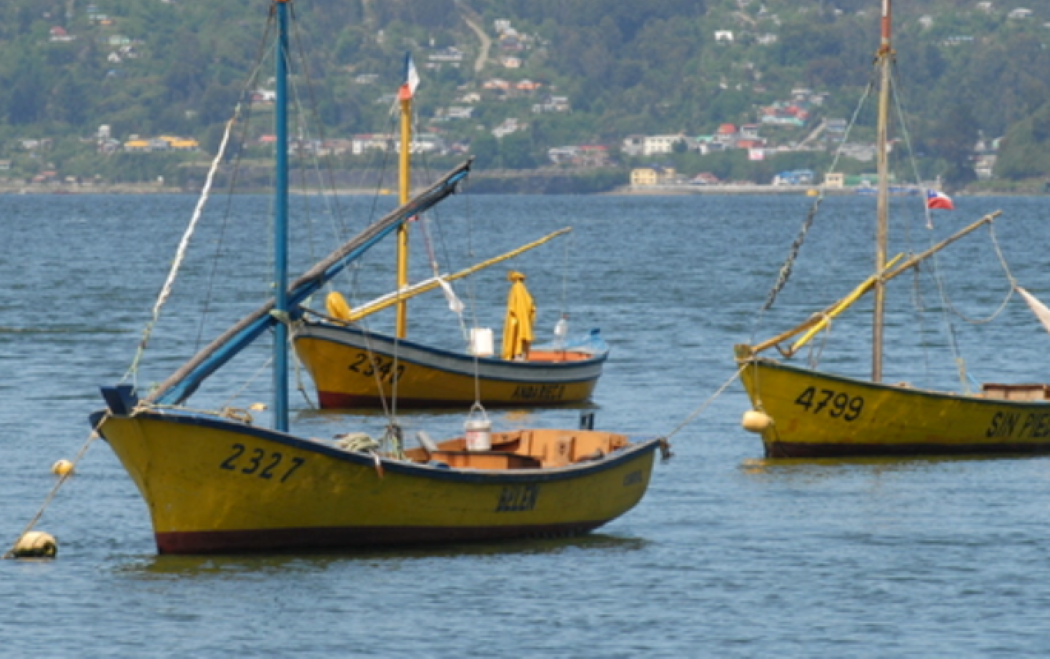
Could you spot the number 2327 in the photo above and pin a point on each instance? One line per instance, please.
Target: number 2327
(836, 404)
(272, 465)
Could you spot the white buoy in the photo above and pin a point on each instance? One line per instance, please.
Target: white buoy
(35, 544)
(62, 468)
(755, 421)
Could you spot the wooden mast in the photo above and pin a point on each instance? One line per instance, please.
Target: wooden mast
(885, 59)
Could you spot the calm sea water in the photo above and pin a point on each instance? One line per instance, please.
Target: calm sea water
(728, 554)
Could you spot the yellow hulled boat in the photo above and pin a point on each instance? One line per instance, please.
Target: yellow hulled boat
(802, 412)
(221, 485)
(353, 367)
(217, 482)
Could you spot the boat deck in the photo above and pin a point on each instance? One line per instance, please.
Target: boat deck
(525, 449)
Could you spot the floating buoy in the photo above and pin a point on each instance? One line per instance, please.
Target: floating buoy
(62, 468)
(755, 421)
(257, 407)
(35, 544)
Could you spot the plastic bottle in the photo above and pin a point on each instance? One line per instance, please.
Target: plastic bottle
(561, 331)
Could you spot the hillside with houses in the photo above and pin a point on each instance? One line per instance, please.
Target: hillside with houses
(667, 92)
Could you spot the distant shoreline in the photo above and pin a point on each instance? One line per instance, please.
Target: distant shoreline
(626, 190)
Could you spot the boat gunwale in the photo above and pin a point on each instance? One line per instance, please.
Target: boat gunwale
(461, 357)
(858, 382)
(634, 450)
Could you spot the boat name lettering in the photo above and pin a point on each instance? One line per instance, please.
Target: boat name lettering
(258, 462)
(539, 392)
(1006, 424)
(838, 404)
(517, 498)
(370, 367)
(633, 478)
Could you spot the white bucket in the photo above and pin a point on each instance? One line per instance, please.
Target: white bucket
(481, 341)
(479, 437)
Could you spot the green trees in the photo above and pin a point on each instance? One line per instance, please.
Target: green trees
(1025, 151)
(648, 67)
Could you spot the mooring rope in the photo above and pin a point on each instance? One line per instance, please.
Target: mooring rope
(698, 411)
(54, 490)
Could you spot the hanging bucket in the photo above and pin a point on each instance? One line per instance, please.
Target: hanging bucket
(481, 341)
(478, 432)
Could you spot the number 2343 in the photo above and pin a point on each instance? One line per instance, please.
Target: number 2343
(836, 404)
(377, 365)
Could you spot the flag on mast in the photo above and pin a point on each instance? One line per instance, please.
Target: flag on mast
(408, 87)
(937, 199)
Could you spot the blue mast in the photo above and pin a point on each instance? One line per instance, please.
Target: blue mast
(287, 298)
(280, 265)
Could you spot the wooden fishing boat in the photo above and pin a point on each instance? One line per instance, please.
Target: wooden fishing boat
(802, 412)
(353, 367)
(221, 485)
(218, 482)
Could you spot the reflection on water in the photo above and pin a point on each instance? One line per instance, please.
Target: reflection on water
(255, 565)
(866, 464)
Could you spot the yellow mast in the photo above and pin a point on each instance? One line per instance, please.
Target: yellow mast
(405, 97)
(885, 57)
(819, 320)
(428, 285)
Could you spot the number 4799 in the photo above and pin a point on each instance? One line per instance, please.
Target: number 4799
(836, 404)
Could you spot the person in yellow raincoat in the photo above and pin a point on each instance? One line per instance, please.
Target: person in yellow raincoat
(521, 314)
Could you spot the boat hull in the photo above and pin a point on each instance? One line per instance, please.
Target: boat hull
(819, 415)
(349, 367)
(215, 485)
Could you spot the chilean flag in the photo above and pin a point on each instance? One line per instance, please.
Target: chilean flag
(936, 199)
(408, 88)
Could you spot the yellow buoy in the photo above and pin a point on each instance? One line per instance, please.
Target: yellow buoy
(257, 407)
(337, 306)
(35, 544)
(62, 468)
(755, 421)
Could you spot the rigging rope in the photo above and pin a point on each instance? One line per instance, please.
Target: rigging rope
(917, 299)
(180, 253)
(198, 210)
(1009, 293)
(785, 270)
(54, 490)
(692, 416)
(565, 277)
